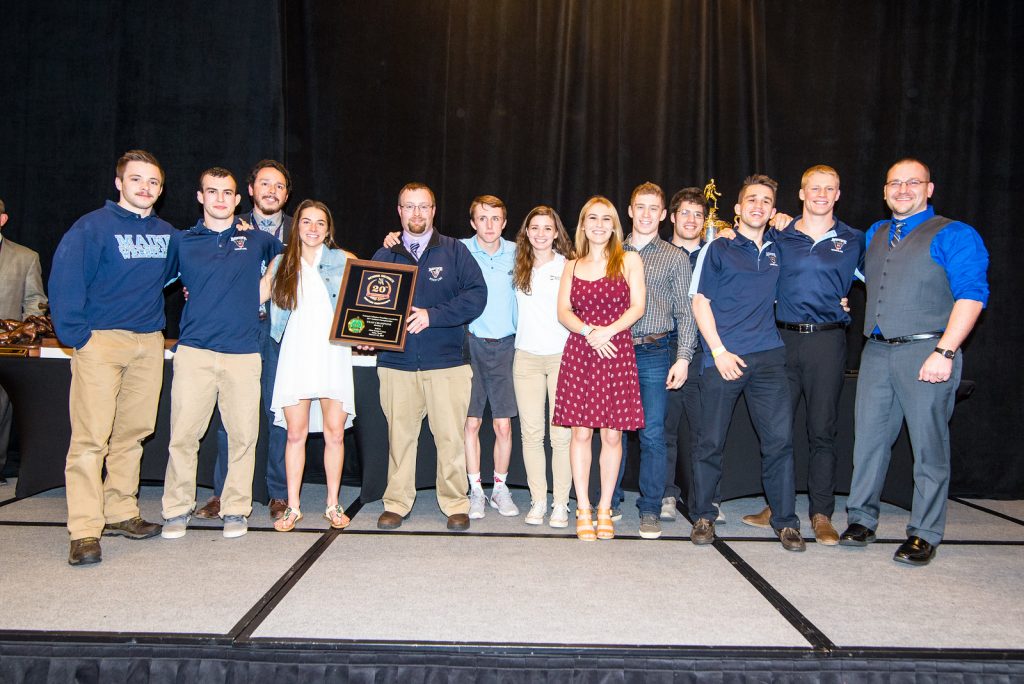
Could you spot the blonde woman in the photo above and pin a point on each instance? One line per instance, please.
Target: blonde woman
(542, 248)
(601, 295)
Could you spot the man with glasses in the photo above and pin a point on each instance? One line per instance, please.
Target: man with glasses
(430, 378)
(927, 283)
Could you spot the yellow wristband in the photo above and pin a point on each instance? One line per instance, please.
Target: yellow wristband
(717, 351)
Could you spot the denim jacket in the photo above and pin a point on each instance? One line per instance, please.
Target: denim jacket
(332, 268)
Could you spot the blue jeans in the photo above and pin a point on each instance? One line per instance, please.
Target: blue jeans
(277, 483)
(652, 363)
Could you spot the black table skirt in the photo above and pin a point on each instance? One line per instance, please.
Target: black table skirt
(39, 392)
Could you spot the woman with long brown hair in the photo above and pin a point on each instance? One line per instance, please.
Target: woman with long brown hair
(601, 295)
(542, 247)
(313, 390)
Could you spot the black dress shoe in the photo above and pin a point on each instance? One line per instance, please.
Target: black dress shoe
(458, 522)
(389, 521)
(133, 528)
(85, 551)
(857, 535)
(914, 551)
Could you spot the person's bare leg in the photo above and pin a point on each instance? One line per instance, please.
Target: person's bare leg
(579, 460)
(334, 446)
(297, 419)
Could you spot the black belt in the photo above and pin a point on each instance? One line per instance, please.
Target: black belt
(808, 327)
(906, 338)
(649, 339)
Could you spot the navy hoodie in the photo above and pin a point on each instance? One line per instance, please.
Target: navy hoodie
(109, 272)
(451, 287)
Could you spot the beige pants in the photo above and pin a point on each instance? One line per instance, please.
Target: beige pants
(201, 379)
(535, 378)
(115, 390)
(443, 397)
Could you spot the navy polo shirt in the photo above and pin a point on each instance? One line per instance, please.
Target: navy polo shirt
(222, 272)
(740, 281)
(816, 274)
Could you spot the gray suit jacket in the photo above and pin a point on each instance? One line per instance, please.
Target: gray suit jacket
(21, 282)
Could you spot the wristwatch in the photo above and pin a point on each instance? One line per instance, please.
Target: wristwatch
(948, 353)
(586, 330)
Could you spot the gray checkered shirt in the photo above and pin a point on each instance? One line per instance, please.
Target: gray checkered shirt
(667, 274)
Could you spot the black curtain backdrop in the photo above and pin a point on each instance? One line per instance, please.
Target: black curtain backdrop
(536, 101)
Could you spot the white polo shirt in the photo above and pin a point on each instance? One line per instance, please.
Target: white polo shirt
(539, 331)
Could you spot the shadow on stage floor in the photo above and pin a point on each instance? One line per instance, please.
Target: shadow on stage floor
(506, 601)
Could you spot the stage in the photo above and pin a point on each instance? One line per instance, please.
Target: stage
(506, 601)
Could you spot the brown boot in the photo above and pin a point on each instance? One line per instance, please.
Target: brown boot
(824, 533)
(210, 510)
(762, 519)
(85, 551)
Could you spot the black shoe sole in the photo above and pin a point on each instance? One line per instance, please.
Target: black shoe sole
(85, 561)
(908, 561)
(846, 541)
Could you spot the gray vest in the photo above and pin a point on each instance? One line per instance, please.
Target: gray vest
(908, 293)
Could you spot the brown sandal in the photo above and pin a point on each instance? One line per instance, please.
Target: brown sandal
(605, 526)
(288, 521)
(336, 516)
(585, 524)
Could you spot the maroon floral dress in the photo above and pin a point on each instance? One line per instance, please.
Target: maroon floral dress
(592, 391)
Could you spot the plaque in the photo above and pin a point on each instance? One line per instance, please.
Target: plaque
(374, 304)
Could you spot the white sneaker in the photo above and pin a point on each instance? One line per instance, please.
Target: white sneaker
(559, 516)
(668, 508)
(175, 528)
(502, 500)
(235, 526)
(720, 519)
(477, 503)
(536, 514)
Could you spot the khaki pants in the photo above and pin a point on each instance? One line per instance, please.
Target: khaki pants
(201, 379)
(535, 378)
(443, 397)
(115, 389)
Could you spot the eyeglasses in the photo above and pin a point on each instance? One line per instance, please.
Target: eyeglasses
(913, 184)
(424, 208)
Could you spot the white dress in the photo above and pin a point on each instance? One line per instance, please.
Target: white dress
(310, 366)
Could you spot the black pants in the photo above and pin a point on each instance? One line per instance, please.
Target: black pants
(764, 387)
(814, 364)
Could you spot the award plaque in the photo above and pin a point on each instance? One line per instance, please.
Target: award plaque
(374, 304)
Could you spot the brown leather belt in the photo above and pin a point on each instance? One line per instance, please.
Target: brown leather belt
(906, 338)
(649, 339)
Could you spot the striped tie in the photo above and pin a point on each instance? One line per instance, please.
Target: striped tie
(897, 234)
(415, 249)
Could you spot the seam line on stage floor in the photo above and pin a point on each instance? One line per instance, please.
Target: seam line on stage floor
(798, 620)
(251, 621)
(979, 507)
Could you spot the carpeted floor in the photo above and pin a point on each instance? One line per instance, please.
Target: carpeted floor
(507, 583)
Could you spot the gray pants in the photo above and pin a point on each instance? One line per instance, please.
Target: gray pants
(887, 392)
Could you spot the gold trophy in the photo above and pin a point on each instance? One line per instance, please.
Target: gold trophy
(713, 224)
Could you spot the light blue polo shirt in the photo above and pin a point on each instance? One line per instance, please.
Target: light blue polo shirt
(501, 313)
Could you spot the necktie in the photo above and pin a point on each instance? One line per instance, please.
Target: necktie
(415, 249)
(897, 234)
